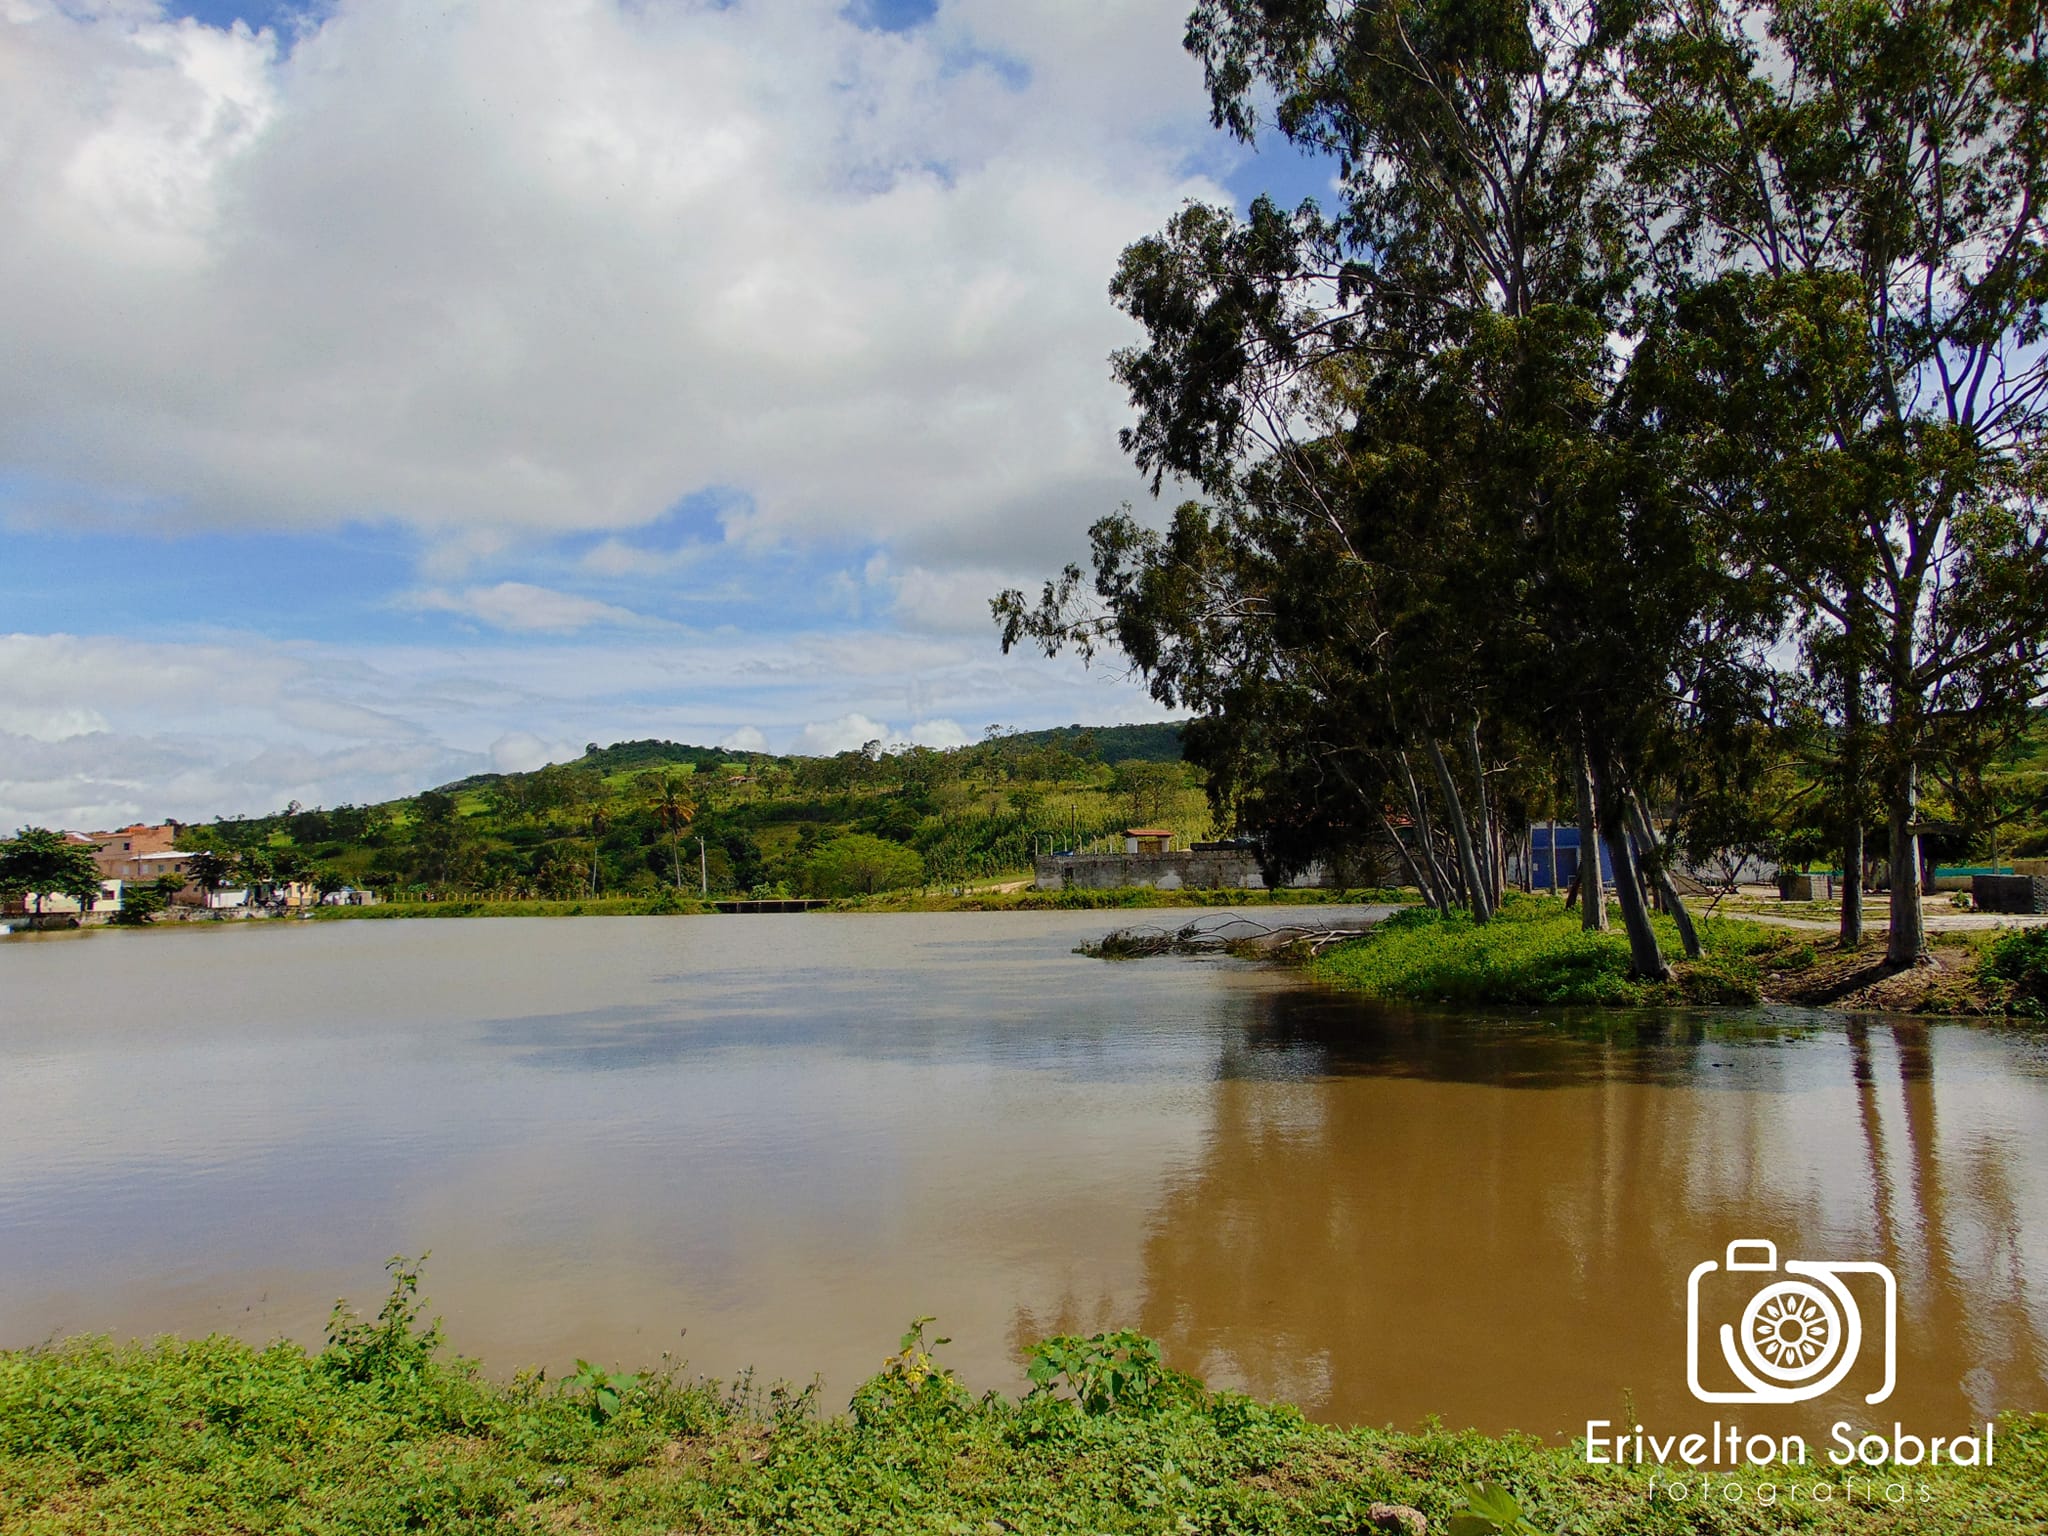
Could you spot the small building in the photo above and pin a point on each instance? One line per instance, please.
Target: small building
(1554, 856)
(1147, 839)
(137, 853)
(57, 904)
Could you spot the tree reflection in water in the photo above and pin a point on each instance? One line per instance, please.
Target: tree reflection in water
(1399, 1213)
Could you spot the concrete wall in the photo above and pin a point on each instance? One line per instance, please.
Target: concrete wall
(1207, 869)
(2010, 893)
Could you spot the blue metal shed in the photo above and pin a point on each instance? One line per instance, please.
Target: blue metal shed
(1555, 847)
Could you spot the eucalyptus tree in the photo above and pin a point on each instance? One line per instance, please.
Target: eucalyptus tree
(1433, 505)
(1865, 183)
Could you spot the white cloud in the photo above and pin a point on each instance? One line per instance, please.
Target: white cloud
(50, 722)
(615, 557)
(522, 608)
(667, 285)
(846, 734)
(513, 267)
(244, 723)
(938, 733)
(522, 752)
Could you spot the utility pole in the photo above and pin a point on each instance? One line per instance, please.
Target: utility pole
(703, 869)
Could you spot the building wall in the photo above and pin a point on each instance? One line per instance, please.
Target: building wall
(1207, 869)
(137, 852)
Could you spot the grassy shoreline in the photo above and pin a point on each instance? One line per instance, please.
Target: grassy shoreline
(1535, 953)
(383, 1431)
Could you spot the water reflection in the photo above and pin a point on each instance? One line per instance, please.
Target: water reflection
(1316, 1032)
(788, 1135)
(1387, 1223)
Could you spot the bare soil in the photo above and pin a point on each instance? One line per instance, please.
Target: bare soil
(1861, 980)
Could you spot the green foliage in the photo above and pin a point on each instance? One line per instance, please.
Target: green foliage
(1490, 1510)
(625, 820)
(1536, 952)
(2019, 959)
(395, 1344)
(190, 1439)
(607, 1390)
(211, 870)
(860, 865)
(140, 904)
(1108, 1372)
(1110, 743)
(1148, 791)
(46, 863)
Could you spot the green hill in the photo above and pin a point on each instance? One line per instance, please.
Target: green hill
(636, 817)
(1158, 743)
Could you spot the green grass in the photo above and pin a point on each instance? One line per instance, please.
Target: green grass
(1535, 952)
(382, 1432)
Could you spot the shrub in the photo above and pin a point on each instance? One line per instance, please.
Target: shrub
(1536, 952)
(2019, 959)
(859, 865)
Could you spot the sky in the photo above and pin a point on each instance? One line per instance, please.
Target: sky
(395, 390)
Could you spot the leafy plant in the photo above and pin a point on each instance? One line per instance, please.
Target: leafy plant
(2019, 958)
(912, 1361)
(1105, 1372)
(608, 1389)
(396, 1344)
(1490, 1510)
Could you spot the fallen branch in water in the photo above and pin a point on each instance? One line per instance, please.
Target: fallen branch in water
(1229, 933)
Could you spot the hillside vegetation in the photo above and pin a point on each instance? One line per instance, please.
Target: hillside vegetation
(639, 818)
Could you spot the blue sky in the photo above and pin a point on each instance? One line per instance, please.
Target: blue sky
(394, 394)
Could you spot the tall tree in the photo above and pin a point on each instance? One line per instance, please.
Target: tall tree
(211, 871)
(674, 808)
(1871, 179)
(1413, 415)
(38, 862)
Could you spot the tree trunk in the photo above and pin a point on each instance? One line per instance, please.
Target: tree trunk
(1908, 943)
(1852, 799)
(1653, 859)
(1592, 888)
(1424, 842)
(1408, 863)
(1461, 834)
(1485, 811)
(1645, 955)
(1852, 881)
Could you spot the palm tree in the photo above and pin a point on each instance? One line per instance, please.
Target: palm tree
(600, 823)
(675, 808)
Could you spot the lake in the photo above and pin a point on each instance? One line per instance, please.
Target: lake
(771, 1141)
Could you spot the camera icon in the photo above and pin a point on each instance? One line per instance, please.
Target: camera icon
(1799, 1331)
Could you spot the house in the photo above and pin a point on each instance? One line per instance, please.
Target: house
(56, 904)
(1147, 839)
(140, 852)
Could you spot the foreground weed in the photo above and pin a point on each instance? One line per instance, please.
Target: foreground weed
(383, 1432)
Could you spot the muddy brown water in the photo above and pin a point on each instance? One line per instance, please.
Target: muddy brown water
(772, 1140)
